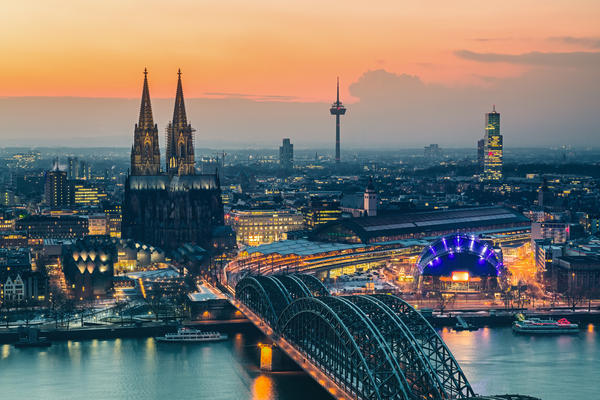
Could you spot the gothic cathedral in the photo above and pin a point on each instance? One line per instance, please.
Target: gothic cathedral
(178, 206)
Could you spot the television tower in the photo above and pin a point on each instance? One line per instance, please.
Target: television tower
(337, 109)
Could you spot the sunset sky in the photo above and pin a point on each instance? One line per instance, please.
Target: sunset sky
(273, 51)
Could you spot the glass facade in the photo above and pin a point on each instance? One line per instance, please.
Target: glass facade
(492, 167)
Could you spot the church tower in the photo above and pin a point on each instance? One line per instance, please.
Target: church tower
(370, 200)
(145, 153)
(180, 139)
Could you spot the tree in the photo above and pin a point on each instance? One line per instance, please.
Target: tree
(443, 300)
(120, 308)
(154, 300)
(5, 311)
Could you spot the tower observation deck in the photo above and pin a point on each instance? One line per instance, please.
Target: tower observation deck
(337, 109)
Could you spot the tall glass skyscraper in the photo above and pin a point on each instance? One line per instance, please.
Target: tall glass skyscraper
(492, 165)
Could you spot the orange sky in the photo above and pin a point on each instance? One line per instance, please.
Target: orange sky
(270, 47)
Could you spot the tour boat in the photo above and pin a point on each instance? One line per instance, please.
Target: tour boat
(185, 335)
(543, 326)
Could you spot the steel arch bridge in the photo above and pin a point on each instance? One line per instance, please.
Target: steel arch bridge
(371, 346)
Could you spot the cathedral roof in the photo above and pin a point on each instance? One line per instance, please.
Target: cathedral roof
(173, 183)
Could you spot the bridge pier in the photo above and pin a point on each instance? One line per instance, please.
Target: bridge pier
(273, 359)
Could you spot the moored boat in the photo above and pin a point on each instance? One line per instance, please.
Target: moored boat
(29, 337)
(543, 326)
(188, 335)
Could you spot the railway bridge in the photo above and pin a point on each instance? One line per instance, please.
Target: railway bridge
(357, 347)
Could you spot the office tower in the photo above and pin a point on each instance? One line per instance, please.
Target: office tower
(56, 188)
(286, 154)
(169, 209)
(492, 169)
(337, 109)
(85, 170)
(73, 168)
(480, 153)
(180, 138)
(145, 153)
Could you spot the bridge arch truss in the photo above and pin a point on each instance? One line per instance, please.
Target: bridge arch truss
(373, 346)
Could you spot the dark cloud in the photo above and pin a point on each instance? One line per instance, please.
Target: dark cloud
(578, 59)
(592, 42)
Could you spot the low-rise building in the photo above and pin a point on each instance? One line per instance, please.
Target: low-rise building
(256, 227)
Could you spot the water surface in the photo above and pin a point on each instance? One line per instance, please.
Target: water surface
(496, 361)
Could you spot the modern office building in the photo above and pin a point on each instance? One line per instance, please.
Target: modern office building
(493, 147)
(114, 217)
(53, 227)
(321, 210)
(481, 154)
(256, 227)
(286, 154)
(56, 188)
(86, 194)
(73, 168)
(168, 210)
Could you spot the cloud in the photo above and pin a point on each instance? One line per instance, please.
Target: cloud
(485, 39)
(541, 108)
(578, 59)
(257, 97)
(592, 42)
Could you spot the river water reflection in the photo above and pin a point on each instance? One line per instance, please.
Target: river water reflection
(495, 361)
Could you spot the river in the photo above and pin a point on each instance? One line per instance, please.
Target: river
(495, 361)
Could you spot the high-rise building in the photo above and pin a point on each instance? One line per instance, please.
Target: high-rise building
(481, 153)
(286, 154)
(56, 189)
(73, 168)
(180, 138)
(169, 209)
(85, 170)
(145, 153)
(492, 167)
(337, 109)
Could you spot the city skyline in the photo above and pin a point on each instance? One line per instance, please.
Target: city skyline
(398, 64)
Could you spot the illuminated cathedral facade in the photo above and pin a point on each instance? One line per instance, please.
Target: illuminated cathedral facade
(175, 206)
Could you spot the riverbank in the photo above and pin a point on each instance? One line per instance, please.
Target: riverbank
(505, 318)
(149, 329)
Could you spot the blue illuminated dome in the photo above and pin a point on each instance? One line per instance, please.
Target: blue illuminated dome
(460, 252)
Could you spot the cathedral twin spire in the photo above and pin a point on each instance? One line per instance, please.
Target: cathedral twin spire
(145, 152)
